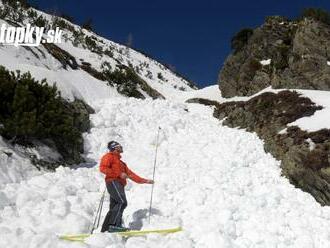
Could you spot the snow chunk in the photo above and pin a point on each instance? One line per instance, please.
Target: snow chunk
(283, 131)
(311, 144)
(265, 62)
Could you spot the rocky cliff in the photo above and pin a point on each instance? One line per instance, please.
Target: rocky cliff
(283, 54)
(280, 53)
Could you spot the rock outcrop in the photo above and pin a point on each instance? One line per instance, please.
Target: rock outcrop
(281, 54)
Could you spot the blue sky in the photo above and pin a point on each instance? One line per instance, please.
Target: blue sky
(192, 36)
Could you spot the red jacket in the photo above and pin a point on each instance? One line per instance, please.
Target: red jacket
(112, 167)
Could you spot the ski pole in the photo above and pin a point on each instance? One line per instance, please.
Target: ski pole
(153, 174)
(102, 200)
(98, 210)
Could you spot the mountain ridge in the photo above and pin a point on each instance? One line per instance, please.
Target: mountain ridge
(92, 54)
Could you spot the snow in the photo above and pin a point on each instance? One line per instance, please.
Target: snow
(210, 92)
(136, 59)
(265, 62)
(14, 166)
(283, 131)
(216, 182)
(78, 83)
(71, 83)
(311, 144)
(320, 119)
(213, 93)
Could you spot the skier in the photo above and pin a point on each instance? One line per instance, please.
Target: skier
(117, 172)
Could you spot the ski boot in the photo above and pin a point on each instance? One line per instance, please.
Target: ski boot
(117, 229)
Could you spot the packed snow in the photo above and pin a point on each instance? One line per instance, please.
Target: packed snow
(214, 181)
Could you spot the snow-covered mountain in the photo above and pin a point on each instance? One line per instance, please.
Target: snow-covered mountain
(77, 64)
(84, 65)
(216, 182)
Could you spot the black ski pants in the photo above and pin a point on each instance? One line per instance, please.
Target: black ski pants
(118, 203)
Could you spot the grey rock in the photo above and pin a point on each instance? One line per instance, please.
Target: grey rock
(299, 51)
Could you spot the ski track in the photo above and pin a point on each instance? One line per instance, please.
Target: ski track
(217, 182)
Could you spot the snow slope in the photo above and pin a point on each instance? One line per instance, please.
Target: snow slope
(217, 182)
(321, 118)
(78, 83)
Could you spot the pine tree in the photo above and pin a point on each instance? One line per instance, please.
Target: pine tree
(33, 110)
(88, 24)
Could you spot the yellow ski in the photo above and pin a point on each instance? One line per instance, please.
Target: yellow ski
(82, 237)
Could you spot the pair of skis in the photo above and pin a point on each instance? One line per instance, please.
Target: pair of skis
(130, 233)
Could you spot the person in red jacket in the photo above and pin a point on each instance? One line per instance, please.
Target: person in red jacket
(116, 173)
